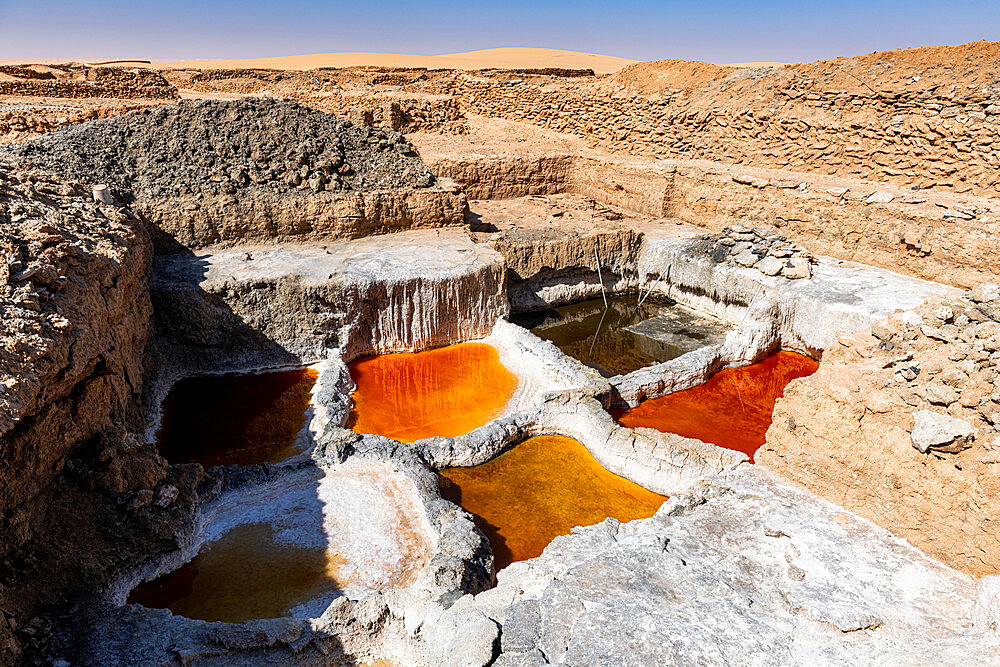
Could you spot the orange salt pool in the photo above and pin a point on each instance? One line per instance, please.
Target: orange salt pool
(447, 391)
(235, 419)
(732, 409)
(242, 576)
(539, 490)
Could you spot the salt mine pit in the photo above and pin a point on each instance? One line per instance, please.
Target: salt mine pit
(236, 419)
(731, 409)
(311, 391)
(540, 489)
(625, 336)
(447, 391)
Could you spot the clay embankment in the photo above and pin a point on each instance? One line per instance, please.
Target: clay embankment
(899, 425)
(76, 321)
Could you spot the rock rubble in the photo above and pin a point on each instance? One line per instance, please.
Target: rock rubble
(769, 252)
(224, 148)
(920, 393)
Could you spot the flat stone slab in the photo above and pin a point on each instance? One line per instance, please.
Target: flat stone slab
(682, 327)
(403, 256)
(746, 569)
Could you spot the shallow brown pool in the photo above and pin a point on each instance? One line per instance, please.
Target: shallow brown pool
(235, 419)
(539, 490)
(732, 409)
(447, 391)
(244, 575)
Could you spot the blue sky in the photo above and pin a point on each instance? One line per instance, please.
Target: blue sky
(712, 30)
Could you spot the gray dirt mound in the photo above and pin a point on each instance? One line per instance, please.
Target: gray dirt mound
(223, 147)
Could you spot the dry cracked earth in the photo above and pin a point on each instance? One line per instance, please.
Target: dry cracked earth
(161, 227)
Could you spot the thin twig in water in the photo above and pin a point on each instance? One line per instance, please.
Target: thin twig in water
(601, 278)
(651, 288)
(599, 325)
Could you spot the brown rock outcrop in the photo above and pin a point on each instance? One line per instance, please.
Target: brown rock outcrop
(75, 312)
(900, 424)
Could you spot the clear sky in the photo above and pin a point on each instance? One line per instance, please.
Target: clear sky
(711, 30)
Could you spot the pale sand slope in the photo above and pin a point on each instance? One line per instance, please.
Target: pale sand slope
(505, 58)
(502, 58)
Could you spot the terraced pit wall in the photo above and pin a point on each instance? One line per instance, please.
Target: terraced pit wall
(935, 128)
(926, 236)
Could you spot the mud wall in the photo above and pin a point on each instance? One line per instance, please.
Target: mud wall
(75, 324)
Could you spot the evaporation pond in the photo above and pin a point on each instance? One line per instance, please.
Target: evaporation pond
(236, 419)
(244, 575)
(732, 409)
(447, 391)
(540, 489)
(623, 339)
(292, 545)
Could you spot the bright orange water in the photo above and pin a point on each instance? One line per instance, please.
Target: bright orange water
(539, 490)
(243, 575)
(447, 391)
(235, 419)
(732, 409)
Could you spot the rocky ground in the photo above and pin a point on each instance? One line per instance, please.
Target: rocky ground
(744, 569)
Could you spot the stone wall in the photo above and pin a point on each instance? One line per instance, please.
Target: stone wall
(21, 124)
(933, 140)
(401, 113)
(76, 81)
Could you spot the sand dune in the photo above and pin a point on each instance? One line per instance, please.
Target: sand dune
(504, 58)
(500, 58)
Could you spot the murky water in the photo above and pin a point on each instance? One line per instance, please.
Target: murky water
(244, 575)
(540, 489)
(732, 409)
(237, 418)
(447, 391)
(623, 339)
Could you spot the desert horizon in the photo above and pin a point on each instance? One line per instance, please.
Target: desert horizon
(491, 58)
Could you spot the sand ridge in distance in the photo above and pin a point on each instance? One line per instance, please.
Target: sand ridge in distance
(501, 58)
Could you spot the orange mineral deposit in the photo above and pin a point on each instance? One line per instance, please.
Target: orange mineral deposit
(541, 489)
(732, 409)
(447, 391)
